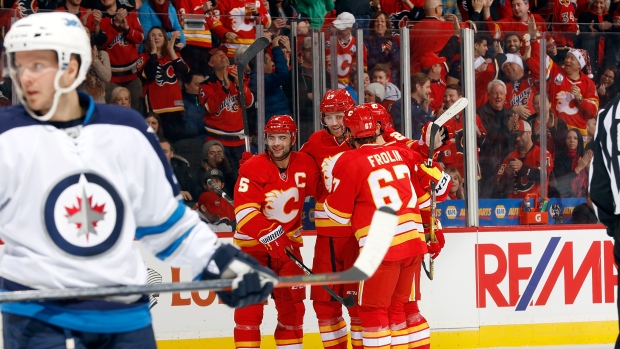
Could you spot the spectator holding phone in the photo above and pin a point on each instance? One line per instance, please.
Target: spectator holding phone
(161, 69)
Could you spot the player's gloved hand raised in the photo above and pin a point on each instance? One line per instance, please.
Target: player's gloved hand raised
(276, 242)
(252, 283)
(245, 156)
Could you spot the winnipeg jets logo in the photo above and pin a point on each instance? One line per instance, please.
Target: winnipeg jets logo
(84, 214)
(276, 202)
(72, 22)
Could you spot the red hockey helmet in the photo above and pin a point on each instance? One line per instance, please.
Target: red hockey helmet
(336, 100)
(281, 124)
(381, 115)
(360, 122)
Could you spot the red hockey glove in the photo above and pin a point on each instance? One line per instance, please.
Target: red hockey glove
(435, 247)
(245, 157)
(276, 241)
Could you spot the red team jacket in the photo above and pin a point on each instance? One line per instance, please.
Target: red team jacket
(452, 154)
(161, 88)
(266, 198)
(527, 180)
(198, 37)
(230, 17)
(522, 93)
(122, 46)
(374, 176)
(325, 150)
(223, 119)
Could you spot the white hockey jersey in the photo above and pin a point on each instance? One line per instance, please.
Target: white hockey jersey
(73, 197)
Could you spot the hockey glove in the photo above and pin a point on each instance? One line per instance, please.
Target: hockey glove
(252, 282)
(245, 156)
(276, 241)
(435, 247)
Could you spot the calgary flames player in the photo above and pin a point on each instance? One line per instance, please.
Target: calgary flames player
(269, 199)
(336, 247)
(364, 179)
(417, 327)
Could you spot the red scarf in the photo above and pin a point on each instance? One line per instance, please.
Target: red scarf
(162, 14)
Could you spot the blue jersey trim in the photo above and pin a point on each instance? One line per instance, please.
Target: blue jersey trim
(168, 251)
(158, 229)
(91, 105)
(96, 321)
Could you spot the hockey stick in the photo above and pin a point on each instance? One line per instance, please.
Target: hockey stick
(433, 238)
(220, 192)
(348, 302)
(380, 235)
(256, 47)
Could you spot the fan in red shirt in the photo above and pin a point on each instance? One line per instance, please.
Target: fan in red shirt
(518, 23)
(269, 200)
(519, 174)
(335, 248)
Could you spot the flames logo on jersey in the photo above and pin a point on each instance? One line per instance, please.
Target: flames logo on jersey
(230, 103)
(238, 20)
(120, 40)
(165, 74)
(25, 8)
(566, 103)
(275, 204)
(327, 167)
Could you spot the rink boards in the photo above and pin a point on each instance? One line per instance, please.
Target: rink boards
(493, 287)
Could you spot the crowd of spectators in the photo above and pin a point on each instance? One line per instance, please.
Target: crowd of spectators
(174, 61)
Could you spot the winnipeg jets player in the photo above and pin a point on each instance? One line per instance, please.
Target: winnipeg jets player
(79, 182)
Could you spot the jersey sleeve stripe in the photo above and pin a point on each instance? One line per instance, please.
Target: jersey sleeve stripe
(339, 217)
(246, 218)
(168, 251)
(172, 220)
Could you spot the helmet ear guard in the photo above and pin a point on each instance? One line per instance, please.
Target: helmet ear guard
(60, 32)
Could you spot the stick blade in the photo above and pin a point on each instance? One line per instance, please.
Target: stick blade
(378, 241)
(459, 105)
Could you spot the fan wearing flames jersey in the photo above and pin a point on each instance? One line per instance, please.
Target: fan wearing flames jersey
(235, 21)
(364, 179)
(346, 48)
(160, 69)
(417, 327)
(124, 33)
(336, 247)
(573, 94)
(519, 174)
(269, 199)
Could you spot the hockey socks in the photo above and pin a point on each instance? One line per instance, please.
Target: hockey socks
(417, 327)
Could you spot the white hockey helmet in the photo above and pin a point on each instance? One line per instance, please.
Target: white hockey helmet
(61, 32)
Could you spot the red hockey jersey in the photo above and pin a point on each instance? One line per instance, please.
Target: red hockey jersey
(510, 25)
(193, 8)
(374, 176)
(161, 88)
(230, 16)
(325, 150)
(563, 103)
(522, 92)
(346, 57)
(266, 197)
(122, 46)
(527, 180)
(223, 119)
(452, 155)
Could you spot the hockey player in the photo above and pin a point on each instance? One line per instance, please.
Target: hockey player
(94, 200)
(417, 326)
(269, 199)
(364, 179)
(335, 248)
